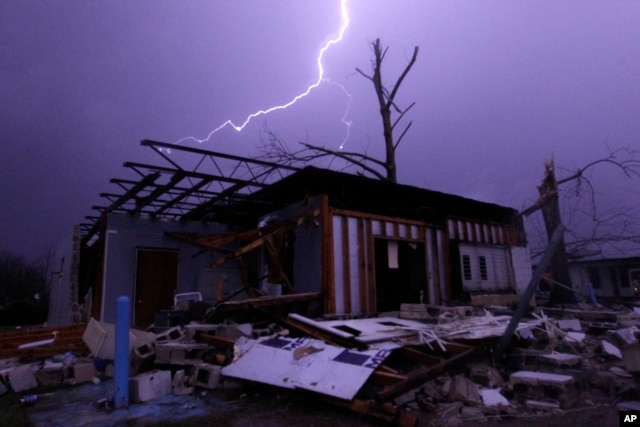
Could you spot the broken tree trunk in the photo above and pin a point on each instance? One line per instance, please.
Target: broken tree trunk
(559, 264)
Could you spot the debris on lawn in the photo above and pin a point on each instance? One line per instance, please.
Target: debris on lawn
(429, 361)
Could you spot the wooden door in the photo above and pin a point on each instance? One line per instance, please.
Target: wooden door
(156, 283)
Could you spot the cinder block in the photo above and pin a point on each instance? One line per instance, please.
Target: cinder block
(207, 376)
(149, 385)
(22, 378)
(50, 375)
(177, 353)
(181, 384)
(142, 355)
(82, 372)
(100, 338)
(173, 334)
(631, 357)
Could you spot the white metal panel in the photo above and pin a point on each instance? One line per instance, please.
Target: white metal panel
(304, 363)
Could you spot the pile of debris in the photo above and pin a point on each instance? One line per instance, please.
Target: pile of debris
(435, 360)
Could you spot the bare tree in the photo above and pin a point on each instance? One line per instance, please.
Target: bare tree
(612, 224)
(275, 149)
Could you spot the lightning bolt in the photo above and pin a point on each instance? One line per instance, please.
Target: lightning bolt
(344, 13)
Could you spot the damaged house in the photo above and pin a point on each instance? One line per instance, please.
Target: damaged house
(612, 269)
(229, 229)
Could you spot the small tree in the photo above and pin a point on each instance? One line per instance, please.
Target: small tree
(275, 149)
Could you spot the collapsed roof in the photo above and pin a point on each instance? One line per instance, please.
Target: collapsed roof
(200, 185)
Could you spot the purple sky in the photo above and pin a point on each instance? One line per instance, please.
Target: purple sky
(499, 87)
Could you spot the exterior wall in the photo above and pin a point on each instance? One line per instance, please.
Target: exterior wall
(491, 235)
(353, 260)
(125, 234)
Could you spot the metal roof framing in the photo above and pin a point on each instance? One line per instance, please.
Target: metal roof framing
(190, 184)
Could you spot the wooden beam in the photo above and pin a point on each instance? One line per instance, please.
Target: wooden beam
(420, 375)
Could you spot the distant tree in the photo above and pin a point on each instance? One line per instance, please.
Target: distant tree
(608, 225)
(24, 289)
(275, 149)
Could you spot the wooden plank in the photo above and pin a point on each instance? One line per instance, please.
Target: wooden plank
(216, 340)
(362, 266)
(328, 265)
(383, 218)
(268, 301)
(346, 265)
(387, 378)
(371, 291)
(422, 374)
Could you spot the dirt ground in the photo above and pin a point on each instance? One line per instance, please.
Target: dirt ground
(268, 407)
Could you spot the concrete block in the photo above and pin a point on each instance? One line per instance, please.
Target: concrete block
(485, 375)
(541, 378)
(464, 390)
(570, 325)
(22, 378)
(627, 336)
(192, 330)
(50, 375)
(628, 319)
(493, 397)
(100, 338)
(575, 337)
(172, 334)
(207, 376)
(150, 385)
(181, 384)
(561, 359)
(142, 355)
(82, 372)
(631, 357)
(544, 386)
(179, 353)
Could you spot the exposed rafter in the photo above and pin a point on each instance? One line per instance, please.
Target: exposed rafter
(188, 184)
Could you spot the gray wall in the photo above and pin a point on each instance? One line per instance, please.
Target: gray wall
(126, 234)
(307, 263)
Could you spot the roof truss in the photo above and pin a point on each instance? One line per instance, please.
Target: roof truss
(188, 184)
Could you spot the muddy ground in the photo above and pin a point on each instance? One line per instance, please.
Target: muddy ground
(270, 407)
